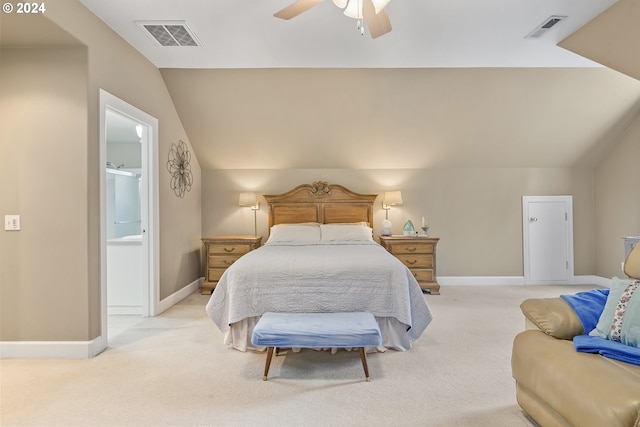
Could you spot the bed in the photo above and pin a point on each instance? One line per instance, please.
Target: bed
(320, 257)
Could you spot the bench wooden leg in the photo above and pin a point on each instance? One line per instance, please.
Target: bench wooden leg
(268, 363)
(363, 357)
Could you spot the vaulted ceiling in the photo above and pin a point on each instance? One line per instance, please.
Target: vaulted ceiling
(455, 84)
(426, 33)
(402, 118)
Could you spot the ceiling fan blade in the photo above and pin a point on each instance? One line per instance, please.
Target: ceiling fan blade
(378, 23)
(296, 8)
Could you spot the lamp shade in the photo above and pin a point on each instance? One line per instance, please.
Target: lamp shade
(393, 198)
(248, 199)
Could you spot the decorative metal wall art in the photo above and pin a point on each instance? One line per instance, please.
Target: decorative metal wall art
(179, 167)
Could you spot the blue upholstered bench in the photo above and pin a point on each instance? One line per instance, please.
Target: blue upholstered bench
(316, 330)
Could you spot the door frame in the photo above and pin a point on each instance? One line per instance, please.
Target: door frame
(150, 223)
(568, 199)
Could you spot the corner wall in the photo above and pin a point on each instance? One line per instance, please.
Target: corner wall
(617, 197)
(50, 271)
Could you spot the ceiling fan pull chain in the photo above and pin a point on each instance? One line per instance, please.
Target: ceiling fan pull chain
(360, 14)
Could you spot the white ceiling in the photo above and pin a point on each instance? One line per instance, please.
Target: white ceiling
(426, 33)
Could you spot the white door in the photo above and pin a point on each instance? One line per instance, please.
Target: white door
(548, 239)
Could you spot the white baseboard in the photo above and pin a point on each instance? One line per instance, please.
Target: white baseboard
(124, 310)
(50, 349)
(79, 349)
(516, 281)
(600, 281)
(89, 349)
(480, 280)
(176, 297)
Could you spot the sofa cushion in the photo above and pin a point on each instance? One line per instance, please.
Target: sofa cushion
(553, 316)
(582, 389)
(632, 263)
(620, 319)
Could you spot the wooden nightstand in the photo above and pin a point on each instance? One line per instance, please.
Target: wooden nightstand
(419, 254)
(222, 251)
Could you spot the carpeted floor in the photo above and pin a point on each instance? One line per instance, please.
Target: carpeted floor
(174, 370)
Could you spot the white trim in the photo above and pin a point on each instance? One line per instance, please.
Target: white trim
(176, 297)
(51, 349)
(124, 310)
(151, 293)
(480, 280)
(89, 349)
(600, 281)
(516, 281)
(79, 349)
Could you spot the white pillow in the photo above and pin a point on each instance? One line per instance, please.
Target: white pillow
(346, 232)
(308, 232)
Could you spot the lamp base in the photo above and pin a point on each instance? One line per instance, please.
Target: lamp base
(386, 228)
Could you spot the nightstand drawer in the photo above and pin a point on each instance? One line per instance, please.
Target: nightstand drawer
(222, 251)
(222, 261)
(214, 274)
(419, 254)
(423, 275)
(416, 260)
(228, 249)
(411, 249)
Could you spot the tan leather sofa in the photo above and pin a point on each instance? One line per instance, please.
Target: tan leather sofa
(558, 386)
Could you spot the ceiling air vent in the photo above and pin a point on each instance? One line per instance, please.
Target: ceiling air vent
(169, 33)
(545, 26)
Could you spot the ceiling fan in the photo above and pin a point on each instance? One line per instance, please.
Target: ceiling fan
(372, 11)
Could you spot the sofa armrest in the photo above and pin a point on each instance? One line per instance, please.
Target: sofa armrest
(553, 316)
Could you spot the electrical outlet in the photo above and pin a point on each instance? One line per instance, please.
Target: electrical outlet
(12, 222)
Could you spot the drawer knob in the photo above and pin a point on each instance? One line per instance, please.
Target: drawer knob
(412, 262)
(229, 250)
(227, 262)
(412, 249)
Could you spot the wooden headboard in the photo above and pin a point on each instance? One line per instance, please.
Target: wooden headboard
(320, 202)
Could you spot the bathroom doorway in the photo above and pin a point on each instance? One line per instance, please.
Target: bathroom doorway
(128, 211)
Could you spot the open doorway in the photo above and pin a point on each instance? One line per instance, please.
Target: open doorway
(128, 211)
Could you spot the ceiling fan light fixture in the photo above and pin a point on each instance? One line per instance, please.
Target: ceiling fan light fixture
(380, 4)
(366, 12)
(354, 9)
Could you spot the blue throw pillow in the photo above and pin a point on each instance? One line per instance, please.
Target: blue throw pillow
(620, 319)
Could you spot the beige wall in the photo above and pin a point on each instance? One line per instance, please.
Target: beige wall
(44, 267)
(477, 212)
(617, 201)
(50, 271)
(611, 39)
(401, 118)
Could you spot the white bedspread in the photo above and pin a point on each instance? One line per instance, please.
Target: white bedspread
(316, 278)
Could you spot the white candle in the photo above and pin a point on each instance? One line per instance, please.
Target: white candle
(423, 221)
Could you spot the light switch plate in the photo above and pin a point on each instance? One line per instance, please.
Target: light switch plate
(12, 222)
